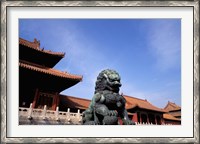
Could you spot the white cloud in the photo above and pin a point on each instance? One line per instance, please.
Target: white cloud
(164, 42)
(157, 96)
(84, 56)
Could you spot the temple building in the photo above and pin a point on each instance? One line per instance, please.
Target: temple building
(173, 114)
(143, 111)
(74, 103)
(170, 119)
(39, 83)
(139, 110)
(173, 109)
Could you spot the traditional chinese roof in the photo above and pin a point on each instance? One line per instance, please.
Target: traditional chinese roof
(132, 102)
(31, 51)
(176, 114)
(74, 102)
(172, 107)
(170, 117)
(36, 46)
(49, 71)
(34, 76)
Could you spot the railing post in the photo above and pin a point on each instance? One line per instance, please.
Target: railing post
(78, 115)
(57, 113)
(68, 115)
(44, 112)
(30, 112)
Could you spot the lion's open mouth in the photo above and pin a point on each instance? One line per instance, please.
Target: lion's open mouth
(115, 88)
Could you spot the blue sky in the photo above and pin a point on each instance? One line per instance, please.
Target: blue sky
(145, 52)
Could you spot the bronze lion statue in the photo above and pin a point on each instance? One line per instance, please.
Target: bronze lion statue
(107, 104)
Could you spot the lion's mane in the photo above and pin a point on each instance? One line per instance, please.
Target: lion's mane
(102, 82)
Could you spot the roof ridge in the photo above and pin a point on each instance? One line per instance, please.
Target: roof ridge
(147, 103)
(166, 106)
(36, 46)
(74, 97)
(33, 64)
(169, 116)
(134, 97)
(174, 104)
(48, 70)
(64, 72)
(155, 106)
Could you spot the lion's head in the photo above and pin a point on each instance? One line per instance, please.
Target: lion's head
(108, 80)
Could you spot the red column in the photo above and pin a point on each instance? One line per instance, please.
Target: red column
(55, 102)
(162, 119)
(48, 101)
(147, 118)
(155, 119)
(58, 100)
(42, 100)
(140, 118)
(135, 118)
(35, 98)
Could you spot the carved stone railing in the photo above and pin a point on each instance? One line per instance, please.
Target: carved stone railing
(33, 114)
(142, 123)
(26, 115)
